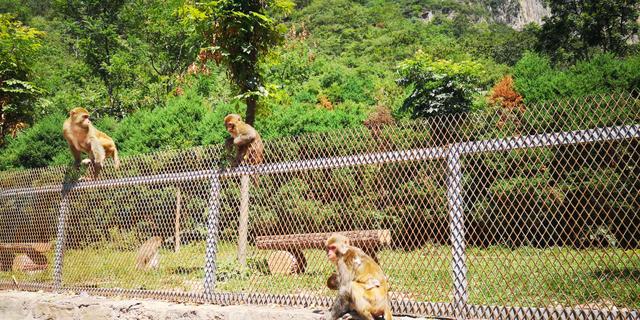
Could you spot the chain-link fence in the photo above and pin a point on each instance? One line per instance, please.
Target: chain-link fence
(529, 212)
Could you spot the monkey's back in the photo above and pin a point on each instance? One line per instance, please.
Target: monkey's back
(255, 152)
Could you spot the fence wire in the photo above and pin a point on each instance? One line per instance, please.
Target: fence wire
(501, 213)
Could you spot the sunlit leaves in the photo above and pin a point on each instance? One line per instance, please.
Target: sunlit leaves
(439, 86)
(18, 46)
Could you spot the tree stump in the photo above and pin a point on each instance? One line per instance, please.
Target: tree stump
(23, 262)
(23, 256)
(287, 262)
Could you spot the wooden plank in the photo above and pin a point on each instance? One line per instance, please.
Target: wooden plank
(27, 246)
(360, 238)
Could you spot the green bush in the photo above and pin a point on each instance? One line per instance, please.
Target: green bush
(439, 86)
(537, 81)
(302, 118)
(171, 127)
(38, 146)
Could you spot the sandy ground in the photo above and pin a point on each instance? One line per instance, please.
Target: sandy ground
(43, 305)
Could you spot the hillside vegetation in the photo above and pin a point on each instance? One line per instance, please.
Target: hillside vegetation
(128, 62)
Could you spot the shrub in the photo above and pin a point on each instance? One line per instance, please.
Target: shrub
(171, 127)
(537, 81)
(439, 86)
(38, 146)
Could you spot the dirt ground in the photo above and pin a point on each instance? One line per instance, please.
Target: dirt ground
(42, 305)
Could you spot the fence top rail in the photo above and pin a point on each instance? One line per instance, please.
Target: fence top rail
(440, 152)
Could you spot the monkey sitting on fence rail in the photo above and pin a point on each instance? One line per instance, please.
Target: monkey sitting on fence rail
(82, 136)
(246, 139)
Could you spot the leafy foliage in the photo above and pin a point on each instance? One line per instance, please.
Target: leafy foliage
(132, 62)
(439, 86)
(18, 47)
(510, 104)
(537, 80)
(170, 127)
(39, 146)
(65, 79)
(576, 27)
(97, 27)
(241, 32)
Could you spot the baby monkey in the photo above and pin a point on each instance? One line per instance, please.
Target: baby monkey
(82, 136)
(246, 139)
(362, 286)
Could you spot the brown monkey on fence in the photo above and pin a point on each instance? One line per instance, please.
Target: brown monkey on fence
(82, 136)
(362, 286)
(246, 139)
(148, 256)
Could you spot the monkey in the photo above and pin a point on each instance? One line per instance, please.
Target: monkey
(333, 281)
(246, 139)
(148, 257)
(362, 285)
(81, 136)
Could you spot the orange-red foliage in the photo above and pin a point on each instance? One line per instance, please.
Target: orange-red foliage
(510, 102)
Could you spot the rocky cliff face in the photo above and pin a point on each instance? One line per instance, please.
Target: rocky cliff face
(531, 11)
(518, 13)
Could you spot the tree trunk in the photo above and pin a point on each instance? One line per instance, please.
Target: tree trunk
(251, 110)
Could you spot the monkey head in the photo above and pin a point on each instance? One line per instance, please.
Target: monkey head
(337, 245)
(80, 117)
(333, 282)
(230, 122)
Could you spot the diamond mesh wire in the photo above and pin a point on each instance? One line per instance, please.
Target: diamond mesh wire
(500, 213)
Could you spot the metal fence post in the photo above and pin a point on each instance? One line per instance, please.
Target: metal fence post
(59, 250)
(243, 221)
(212, 238)
(456, 213)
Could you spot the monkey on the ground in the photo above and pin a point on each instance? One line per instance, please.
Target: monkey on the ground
(148, 257)
(362, 285)
(246, 139)
(82, 136)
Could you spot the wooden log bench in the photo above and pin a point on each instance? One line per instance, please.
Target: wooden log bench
(289, 258)
(28, 256)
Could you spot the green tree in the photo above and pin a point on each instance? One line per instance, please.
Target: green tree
(97, 27)
(18, 46)
(240, 32)
(500, 42)
(25, 10)
(169, 46)
(576, 27)
(439, 86)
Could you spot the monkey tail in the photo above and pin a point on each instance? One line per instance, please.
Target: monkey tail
(116, 159)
